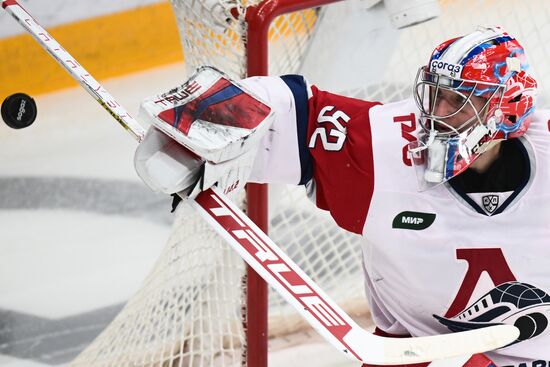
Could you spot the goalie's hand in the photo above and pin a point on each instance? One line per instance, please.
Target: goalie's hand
(205, 132)
(168, 167)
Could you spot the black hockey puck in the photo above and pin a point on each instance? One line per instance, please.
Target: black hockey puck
(19, 111)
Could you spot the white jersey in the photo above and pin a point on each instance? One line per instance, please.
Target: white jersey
(442, 260)
(435, 261)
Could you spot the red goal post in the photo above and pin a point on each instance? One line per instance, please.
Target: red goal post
(259, 19)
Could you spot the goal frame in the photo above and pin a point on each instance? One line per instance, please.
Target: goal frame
(259, 19)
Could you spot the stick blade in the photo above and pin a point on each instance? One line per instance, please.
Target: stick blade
(386, 351)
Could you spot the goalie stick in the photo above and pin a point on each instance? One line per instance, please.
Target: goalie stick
(276, 268)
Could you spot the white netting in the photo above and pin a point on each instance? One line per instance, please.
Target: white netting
(213, 33)
(190, 310)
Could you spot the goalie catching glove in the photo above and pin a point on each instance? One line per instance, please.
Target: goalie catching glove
(203, 133)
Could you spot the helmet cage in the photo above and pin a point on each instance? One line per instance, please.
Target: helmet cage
(474, 91)
(442, 149)
(430, 87)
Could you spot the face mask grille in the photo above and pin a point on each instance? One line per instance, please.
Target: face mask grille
(450, 106)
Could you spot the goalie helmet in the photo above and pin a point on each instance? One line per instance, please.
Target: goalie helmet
(474, 91)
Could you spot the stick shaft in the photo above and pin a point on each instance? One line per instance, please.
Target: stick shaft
(92, 86)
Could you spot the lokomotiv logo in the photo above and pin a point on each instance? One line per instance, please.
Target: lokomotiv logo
(446, 68)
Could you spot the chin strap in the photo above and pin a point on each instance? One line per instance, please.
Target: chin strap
(437, 157)
(436, 153)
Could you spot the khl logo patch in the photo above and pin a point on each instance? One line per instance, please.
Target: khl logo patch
(490, 203)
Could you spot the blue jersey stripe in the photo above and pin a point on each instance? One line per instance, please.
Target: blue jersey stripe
(298, 87)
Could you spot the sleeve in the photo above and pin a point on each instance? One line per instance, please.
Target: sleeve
(321, 140)
(340, 145)
(278, 157)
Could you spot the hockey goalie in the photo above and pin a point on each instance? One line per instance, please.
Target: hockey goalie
(448, 188)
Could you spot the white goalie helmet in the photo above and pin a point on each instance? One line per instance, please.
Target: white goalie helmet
(474, 90)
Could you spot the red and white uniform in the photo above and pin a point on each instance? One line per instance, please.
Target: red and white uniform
(435, 261)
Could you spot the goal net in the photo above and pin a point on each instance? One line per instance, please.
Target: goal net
(191, 309)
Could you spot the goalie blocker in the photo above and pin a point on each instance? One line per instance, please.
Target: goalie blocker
(203, 132)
